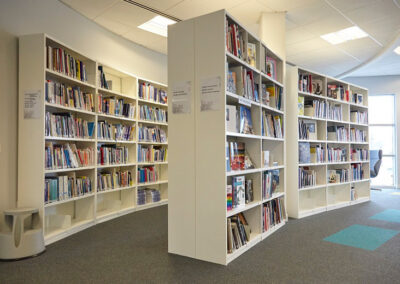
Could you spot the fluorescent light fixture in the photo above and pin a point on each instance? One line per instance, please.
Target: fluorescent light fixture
(397, 50)
(344, 35)
(158, 25)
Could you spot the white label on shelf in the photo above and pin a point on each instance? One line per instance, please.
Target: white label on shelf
(245, 102)
(210, 93)
(181, 97)
(32, 107)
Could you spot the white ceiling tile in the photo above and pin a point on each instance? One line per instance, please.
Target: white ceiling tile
(159, 5)
(347, 6)
(362, 49)
(249, 12)
(306, 46)
(142, 37)
(383, 29)
(310, 13)
(286, 5)
(379, 9)
(329, 24)
(112, 25)
(297, 35)
(90, 8)
(290, 25)
(128, 14)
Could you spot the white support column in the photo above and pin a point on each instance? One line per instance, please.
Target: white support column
(273, 32)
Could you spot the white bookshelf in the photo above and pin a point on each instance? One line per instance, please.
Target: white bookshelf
(323, 196)
(65, 217)
(197, 201)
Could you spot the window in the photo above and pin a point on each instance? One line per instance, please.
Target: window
(382, 135)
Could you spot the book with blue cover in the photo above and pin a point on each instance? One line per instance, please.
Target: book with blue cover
(246, 123)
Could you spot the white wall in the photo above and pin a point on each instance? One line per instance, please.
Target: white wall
(19, 17)
(381, 85)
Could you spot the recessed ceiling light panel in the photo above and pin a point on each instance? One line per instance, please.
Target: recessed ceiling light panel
(158, 25)
(397, 50)
(344, 35)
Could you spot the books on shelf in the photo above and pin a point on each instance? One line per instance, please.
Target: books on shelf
(67, 125)
(359, 154)
(102, 78)
(238, 232)
(237, 156)
(147, 195)
(153, 114)
(307, 129)
(358, 135)
(338, 133)
(353, 193)
(300, 105)
(310, 85)
(151, 154)
(266, 158)
(317, 153)
(118, 107)
(357, 172)
(61, 61)
(153, 134)
(245, 83)
(270, 183)
(273, 213)
(65, 187)
(337, 154)
(112, 155)
(235, 43)
(231, 118)
(307, 177)
(67, 96)
(64, 156)
(246, 123)
(270, 67)
(337, 92)
(304, 153)
(147, 174)
(237, 193)
(272, 95)
(360, 117)
(113, 180)
(152, 93)
(357, 98)
(315, 108)
(338, 176)
(335, 111)
(115, 132)
(251, 54)
(272, 125)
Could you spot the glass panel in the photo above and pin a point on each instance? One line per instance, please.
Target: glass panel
(385, 174)
(381, 109)
(382, 137)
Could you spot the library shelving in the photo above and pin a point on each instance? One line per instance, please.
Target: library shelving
(327, 143)
(206, 81)
(92, 139)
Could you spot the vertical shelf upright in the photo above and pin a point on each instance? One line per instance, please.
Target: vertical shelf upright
(198, 175)
(318, 186)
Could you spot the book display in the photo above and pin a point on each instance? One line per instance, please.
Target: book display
(227, 139)
(327, 144)
(93, 140)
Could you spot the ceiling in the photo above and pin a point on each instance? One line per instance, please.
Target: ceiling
(306, 21)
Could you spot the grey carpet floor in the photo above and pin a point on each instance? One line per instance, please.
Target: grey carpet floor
(133, 249)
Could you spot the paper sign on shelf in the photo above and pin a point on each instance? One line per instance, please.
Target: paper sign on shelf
(32, 104)
(245, 102)
(210, 93)
(181, 97)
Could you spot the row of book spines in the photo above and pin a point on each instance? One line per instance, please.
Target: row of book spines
(118, 131)
(153, 134)
(270, 183)
(114, 180)
(153, 114)
(147, 174)
(67, 156)
(152, 93)
(272, 125)
(150, 154)
(110, 155)
(66, 187)
(239, 193)
(147, 195)
(238, 232)
(61, 61)
(273, 213)
(67, 125)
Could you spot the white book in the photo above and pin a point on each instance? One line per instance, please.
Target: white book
(65, 187)
(231, 118)
(60, 188)
(266, 158)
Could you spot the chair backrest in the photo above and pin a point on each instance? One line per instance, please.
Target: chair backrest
(375, 158)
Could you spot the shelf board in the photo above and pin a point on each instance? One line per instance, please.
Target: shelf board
(337, 184)
(337, 121)
(241, 100)
(359, 143)
(359, 124)
(319, 186)
(242, 62)
(312, 141)
(359, 162)
(152, 122)
(75, 227)
(361, 180)
(337, 205)
(275, 195)
(269, 78)
(242, 172)
(152, 143)
(358, 106)
(360, 200)
(55, 203)
(69, 170)
(151, 102)
(115, 93)
(337, 142)
(116, 165)
(151, 163)
(273, 138)
(272, 109)
(272, 168)
(69, 139)
(338, 163)
(104, 115)
(235, 134)
(307, 94)
(312, 164)
(253, 241)
(337, 101)
(115, 141)
(115, 189)
(309, 212)
(311, 117)
(152, 183)
(272, 230)
(56, 106)
(151, 205)
(248, 206)
(68, 78)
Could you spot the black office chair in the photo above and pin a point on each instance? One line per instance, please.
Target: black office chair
(375, 160)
